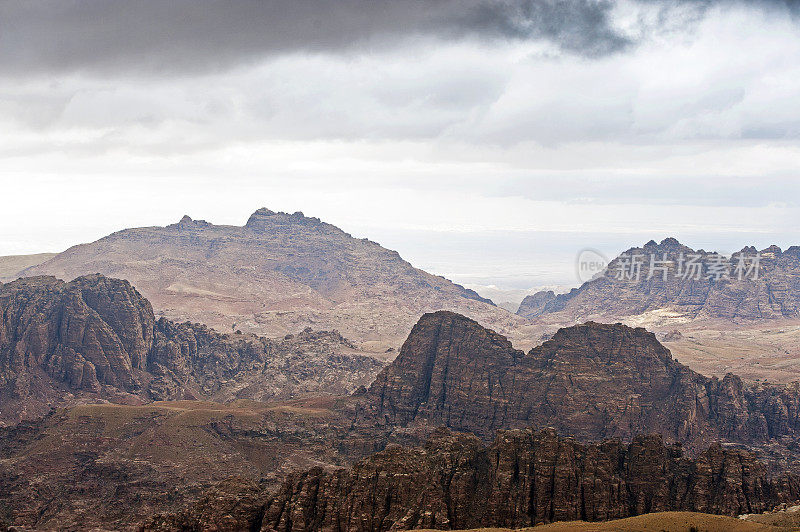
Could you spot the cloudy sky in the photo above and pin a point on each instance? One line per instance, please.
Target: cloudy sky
(487, 140)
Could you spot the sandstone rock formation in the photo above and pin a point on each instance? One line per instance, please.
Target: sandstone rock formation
(591, 381)
(533, 305)
(523, 478)
(672, 336)
(774, 294)
(276, 275)
(97, 338)
(109, 466)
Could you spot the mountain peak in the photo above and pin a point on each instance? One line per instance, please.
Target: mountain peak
(310, 271)
(264, 217)
(590, 381)
(186, 222)
(533, 305)
(259, 216)
(605, 341)
(263, 211)
(443, 351)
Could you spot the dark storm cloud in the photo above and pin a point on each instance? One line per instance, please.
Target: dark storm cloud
(197, 35)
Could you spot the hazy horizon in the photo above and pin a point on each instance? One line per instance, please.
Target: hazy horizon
(504, 265)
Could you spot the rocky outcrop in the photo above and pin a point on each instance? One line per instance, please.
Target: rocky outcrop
(672, 336)
(522, 479)
(87, 333)
(192, 357)
(590, 381)
(533, 305)
(97, 338)
(276, 275)
(770, 291)
(593, 382)
(234, 504)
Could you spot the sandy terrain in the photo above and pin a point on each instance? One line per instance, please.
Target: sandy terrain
(663, 522)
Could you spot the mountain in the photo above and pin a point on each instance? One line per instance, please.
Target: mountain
(691, 284)
(96, 338)
(278, 274)
(534, 304)
(603, 391)
(591, 381)
(522, 479)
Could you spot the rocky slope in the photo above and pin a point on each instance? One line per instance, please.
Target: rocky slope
(96, 338)
(591, 381)
(107, 467)
(278, 274)
(11, 265)
(533, 305)
(703, 292)
(523, 478)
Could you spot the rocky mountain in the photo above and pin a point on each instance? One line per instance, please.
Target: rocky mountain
(522, 479)
(533, 305)
(693, 284)
(276, 275)
(589, 384)
(590, 381)
(96, 338)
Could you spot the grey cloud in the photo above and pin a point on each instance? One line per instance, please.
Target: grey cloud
(152, 36)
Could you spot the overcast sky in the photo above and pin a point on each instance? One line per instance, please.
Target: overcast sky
(485, 140)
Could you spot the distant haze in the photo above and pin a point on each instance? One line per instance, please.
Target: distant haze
(488, 141)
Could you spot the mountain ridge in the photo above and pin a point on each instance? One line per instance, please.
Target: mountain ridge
(276, 275)
(770, 291)
(602, 389)
(523, 478)
(590, 381)
(97, 338)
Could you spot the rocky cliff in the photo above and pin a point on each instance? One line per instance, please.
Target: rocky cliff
(590, 381)
(523, 478)
(533, 305)
(96, 338)
(696, 284)
(276, 275)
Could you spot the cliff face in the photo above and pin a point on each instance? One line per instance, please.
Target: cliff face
(533, 305)
(591, 381)
(522, 479)
(91, 332)
(450, 371)
(773, 293)
(97, 338)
